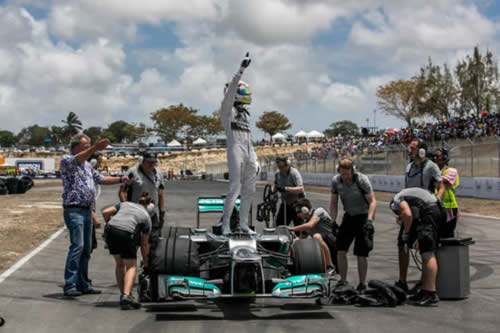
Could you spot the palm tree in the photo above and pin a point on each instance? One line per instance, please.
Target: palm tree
(73, 125)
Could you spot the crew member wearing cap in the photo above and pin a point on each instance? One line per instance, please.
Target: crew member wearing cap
(145, 177)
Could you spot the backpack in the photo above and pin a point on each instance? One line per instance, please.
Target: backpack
(355, 180)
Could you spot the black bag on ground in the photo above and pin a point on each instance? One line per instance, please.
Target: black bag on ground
(174, 255)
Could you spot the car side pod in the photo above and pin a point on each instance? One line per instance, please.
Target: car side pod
(191, 287)
(308, 286)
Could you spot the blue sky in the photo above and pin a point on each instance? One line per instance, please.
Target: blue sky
(316, 61)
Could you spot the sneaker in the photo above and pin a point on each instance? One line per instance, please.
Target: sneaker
(341, 284)
(128, 302)
(361, 288)
(402, 285)
(92, 291)
(427, 298)
(416, 288)
(72, 293)
(417, 296)
(330, 270)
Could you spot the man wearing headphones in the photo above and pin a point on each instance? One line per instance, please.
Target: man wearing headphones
(451, 180)
(288, 182)
(145, 177)
(423, 173)
(358, 200)
(320, 226)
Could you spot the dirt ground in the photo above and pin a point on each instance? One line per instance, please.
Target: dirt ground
(28, 219)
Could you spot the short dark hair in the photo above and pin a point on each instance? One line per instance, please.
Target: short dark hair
(303, 203)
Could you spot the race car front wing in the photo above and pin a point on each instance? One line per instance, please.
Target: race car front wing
(298, 286)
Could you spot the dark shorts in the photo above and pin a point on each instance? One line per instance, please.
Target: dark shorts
(121, 243)
(447, 229)
(355, 228)
(424, 230)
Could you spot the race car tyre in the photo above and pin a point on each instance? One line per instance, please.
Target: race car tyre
(174, 255)
(308, 257)
(24, 184)
(11, 183)
(3, 187)
(2, 321)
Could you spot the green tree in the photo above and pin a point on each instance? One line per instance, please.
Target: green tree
(58, 135)
(436, 90)
(205, 126)
(344, 127)
(94, 132)
(7, 139)
(72, 125)
(399, 99)
(478, 83)
(34, 135)
(272, 122)
(172, 122)
(122, 132)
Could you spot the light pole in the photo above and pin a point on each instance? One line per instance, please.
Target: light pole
(374, 116)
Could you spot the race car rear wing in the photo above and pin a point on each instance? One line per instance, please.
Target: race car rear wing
(214, 205)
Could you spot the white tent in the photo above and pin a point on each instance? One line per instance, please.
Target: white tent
(278, 136)
(174, 143)
(300, 134)
(199, 141)
(315, 134)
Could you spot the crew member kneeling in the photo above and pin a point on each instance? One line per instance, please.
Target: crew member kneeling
(319, 224)
(129, 226)
(421, 213)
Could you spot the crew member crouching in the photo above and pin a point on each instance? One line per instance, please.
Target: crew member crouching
(128, 227)
(319, 224)
(421, 213)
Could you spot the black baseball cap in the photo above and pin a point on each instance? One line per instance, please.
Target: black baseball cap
(149, 157)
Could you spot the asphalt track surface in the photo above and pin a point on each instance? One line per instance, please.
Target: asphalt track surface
(31, 299)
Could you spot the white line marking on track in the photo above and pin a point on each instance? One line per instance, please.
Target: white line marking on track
(30, 255)
(37, 250)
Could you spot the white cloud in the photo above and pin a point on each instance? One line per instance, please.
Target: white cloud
(431, 26)
(76, 59)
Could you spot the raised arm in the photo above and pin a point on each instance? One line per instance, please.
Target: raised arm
(228, 101)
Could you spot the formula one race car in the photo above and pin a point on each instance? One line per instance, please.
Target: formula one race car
(198, 264)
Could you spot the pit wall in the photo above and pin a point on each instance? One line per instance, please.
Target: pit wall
(477, 187)
(176, 161)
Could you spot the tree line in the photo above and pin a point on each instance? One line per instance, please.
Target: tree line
(439, 92)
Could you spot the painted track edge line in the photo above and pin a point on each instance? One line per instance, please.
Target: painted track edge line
(30, 255)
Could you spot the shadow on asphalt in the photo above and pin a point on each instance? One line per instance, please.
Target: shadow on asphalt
(238, 312)
(246, 316)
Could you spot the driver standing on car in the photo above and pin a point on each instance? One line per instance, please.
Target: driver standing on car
(288, 182)
(241, 158)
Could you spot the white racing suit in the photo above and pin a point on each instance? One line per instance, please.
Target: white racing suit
(241, 158)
